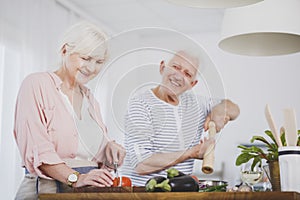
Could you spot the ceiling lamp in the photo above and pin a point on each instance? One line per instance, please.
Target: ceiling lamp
(268, 28)
(214, 3)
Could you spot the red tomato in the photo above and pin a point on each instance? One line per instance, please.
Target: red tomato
(195, 177)
(116, 182)
(126, 182)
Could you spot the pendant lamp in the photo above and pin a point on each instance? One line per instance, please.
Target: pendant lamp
(214, 3)
(268, 28)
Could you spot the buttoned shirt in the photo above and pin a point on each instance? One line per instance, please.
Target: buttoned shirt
(44, 129)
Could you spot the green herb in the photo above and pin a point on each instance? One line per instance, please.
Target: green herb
(217, 188)
(257, 154)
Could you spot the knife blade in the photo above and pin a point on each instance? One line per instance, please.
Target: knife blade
(117, 174)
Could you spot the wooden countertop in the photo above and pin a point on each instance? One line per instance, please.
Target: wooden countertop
(175, 195)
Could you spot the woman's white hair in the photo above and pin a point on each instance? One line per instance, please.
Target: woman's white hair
(85, 38)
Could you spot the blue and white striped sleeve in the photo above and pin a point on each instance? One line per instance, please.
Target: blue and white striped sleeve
(138, 131)
(207, 103)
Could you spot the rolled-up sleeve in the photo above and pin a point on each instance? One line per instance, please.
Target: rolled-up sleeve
(138, 132)
(32, 117)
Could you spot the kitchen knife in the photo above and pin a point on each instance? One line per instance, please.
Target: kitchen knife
(117, 174)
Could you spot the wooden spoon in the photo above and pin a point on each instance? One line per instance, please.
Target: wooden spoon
(290, 126)
(272, 125)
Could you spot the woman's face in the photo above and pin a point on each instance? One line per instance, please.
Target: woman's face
(83, 68)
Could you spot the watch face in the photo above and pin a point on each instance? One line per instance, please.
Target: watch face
(72, 178)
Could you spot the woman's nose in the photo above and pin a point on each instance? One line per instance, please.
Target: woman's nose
(91, 66)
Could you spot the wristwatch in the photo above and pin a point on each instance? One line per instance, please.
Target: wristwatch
(72, 178)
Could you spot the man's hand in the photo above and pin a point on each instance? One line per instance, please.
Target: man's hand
(221, 114)
(198, 151)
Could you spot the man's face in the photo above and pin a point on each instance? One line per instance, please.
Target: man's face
(179, 74)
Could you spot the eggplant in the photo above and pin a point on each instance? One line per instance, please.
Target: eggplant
(172, 172)
(179, 184)
(152, 182)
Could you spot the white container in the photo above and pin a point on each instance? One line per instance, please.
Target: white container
(289, 165)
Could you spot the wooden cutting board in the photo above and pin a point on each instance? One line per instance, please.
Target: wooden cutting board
(175, 195)
(109, 189)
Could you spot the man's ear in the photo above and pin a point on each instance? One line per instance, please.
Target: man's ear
(162, 66)
(193, 83)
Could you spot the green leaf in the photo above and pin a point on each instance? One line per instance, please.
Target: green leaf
(269, 133)
(273, 148)
(242, 147)
(255, 161)
(298, 143)
(261, 139)
(258, 154)
(282, 138)
(257, 149)
(243, 158)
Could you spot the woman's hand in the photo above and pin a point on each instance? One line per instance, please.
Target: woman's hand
(115, 153)
(96, 177)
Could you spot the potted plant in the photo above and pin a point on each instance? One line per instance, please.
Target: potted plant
(270, 155)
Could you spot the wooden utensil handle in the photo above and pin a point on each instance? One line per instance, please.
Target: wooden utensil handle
(209, 155)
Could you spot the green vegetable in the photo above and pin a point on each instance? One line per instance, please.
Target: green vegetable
(256, 154)
(217, 188)
(179, 184)
(152, 182)
(172, 172)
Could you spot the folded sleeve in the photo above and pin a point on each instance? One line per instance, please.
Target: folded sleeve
(206, 103)
(138, 132)
(32, 116)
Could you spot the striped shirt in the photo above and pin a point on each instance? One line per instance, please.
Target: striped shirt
(154, 126)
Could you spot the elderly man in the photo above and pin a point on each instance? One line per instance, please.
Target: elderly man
(163, 126)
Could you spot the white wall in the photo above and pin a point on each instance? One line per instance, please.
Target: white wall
(29, 35)
(251, 82)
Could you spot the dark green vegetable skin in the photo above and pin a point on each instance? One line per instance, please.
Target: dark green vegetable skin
(179, 184)
(176, 181)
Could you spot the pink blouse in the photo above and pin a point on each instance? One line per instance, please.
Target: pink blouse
(44, 129)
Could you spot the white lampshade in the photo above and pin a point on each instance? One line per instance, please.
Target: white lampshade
(214, 3)
(268, 28)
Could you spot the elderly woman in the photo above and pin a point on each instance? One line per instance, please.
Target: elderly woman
(58, 126)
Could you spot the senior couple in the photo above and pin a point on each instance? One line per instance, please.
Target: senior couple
(64, 143)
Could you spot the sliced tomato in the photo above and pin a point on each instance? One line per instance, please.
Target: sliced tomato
(195, 177)
(126, 181)
(116, 182)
